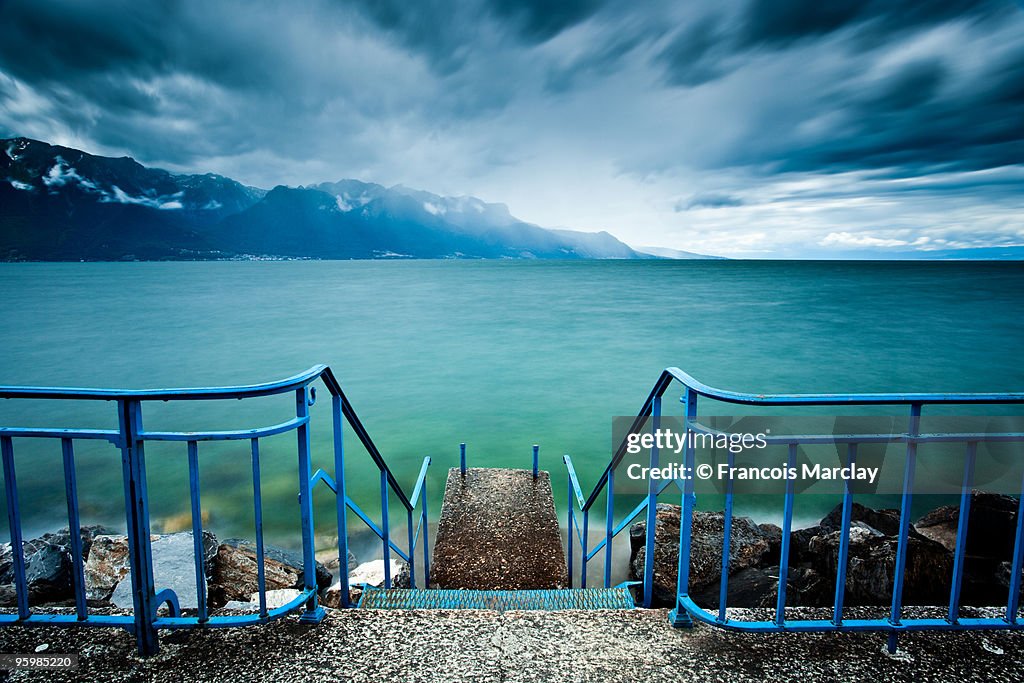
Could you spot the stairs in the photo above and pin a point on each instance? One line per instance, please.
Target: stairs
(498, 547)
(498, 532)
(501, 601)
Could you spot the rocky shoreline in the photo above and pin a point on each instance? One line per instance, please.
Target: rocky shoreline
(231, 571)
(754, 557)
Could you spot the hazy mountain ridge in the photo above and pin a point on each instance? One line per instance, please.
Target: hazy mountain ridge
(59, 203)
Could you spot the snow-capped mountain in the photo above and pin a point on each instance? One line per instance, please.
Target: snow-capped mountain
(58, 203)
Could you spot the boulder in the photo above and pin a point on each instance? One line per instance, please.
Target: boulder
(886, 521)
(48, 566)
(106, 567)
(234, 575)
(871, 567)
(990, 529)
(750, 546)
(173, 567)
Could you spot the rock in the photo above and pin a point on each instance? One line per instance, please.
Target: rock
(173, 568)
(885, 521)
(748, 587)
(331, 564)
(871, 567)
(750, 546)
(372, 573)
(990, 529)
(48, 566)
(106, 566)
(276, 598)
(234, 575)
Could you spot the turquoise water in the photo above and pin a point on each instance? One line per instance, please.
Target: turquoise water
(498, 354)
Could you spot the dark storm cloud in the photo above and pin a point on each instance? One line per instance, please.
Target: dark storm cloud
(709, 200)
(515, 97)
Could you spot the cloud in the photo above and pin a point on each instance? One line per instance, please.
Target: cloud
(794, 119)
(846, 239)
(709, 200)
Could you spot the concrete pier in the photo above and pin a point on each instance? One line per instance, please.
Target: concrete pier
(498, 531)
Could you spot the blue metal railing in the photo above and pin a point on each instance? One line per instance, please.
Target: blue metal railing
(130, 437)
(686, 609)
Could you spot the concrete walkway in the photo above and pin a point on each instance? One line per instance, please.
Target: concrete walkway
(634, 645)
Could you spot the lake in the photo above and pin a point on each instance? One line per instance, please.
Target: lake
(500, 355)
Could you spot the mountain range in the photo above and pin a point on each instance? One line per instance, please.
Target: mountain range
(58, 204)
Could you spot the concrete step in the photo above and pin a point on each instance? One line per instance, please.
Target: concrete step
(502, 601)
(498, 531)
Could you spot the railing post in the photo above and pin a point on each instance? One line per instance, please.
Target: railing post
(426, 536)
(570, 520)
(385, 525)
(652, 508)
(313, 612)
(609, 528)
(536, 459)
(136, 507)
(462, 458)
(679, 617)
(584, 549)
(896, 610)
(412, 549)
(340, 498)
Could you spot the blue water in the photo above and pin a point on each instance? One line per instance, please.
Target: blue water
(500, 355)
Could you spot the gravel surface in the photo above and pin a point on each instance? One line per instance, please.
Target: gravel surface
(498, 531)
(631, 645)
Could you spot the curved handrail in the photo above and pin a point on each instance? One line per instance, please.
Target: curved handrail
(836, 399)
(191, 393)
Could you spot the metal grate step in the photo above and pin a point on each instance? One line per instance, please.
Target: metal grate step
(547, 600)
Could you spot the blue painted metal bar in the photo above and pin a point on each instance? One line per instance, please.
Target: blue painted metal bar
(1013, 599)
(723, 583)
(312, 613)
(140, 550)
(229, 435)
(787, 532)
(844, 540)
(425, 524)
(385, 525)
(257, 495)
(680, 616)
(74, 528)
(609, 521)
(903, 541)
(462, 458)
(960, 554)
(412, 550)
(583, 548)
(374, 527)
(112, 436)
(836, 399)
(340, 507)
(573, 481)
(197, 528)
(651, 504)
(14, 526)
(185, 394)
(536, 460)
(570, 523)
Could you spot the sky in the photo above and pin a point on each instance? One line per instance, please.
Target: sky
(744, 128)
